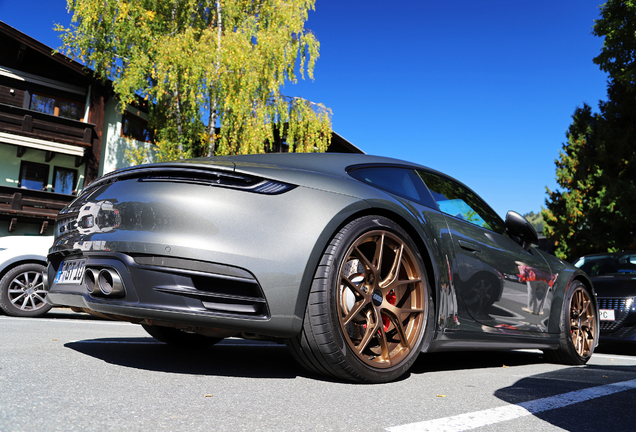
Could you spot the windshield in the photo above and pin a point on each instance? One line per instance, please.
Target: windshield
(608, 265)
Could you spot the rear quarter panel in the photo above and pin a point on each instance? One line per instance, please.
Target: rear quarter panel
(566, 274)
(274, 237)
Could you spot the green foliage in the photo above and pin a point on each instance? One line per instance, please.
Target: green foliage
(618, 26)
(593, 210)
(203, 64)
(536, 220)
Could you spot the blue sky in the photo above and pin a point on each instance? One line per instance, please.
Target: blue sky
(482, 90)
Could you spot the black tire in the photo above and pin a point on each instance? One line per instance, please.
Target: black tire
(366, 321)
(176, 337)
(579, 327)
(22, 292)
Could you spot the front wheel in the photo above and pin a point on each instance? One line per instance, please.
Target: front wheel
(369, 307)
(579, 327)
(22, 292)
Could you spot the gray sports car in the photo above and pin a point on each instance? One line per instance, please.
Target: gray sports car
(358, 263)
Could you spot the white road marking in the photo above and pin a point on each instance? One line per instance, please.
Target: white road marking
(464, 422)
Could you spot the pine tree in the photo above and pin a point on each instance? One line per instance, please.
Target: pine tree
(593, 210)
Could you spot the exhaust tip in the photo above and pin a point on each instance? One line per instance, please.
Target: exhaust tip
(109, 283)
(90, 280)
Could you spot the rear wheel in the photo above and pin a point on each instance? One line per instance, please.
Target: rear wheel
(579, 326)
(369, 306)
(181, 338)
(22, 291)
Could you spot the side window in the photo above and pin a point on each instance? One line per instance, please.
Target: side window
(400, 181)
(457, 201)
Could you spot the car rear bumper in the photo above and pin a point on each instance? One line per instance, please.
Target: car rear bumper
(145, 287)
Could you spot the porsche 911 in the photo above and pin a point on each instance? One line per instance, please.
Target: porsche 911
(358, 263)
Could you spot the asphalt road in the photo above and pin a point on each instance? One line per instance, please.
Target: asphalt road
(67, 372)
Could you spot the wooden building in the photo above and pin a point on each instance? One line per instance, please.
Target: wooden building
(51, 124)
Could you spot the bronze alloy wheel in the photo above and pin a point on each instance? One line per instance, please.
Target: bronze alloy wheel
(582, 322)
(370, 310)
(579, 326)
(381, 302)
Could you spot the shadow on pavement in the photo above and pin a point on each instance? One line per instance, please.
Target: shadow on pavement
(244, 358)
(232, 358)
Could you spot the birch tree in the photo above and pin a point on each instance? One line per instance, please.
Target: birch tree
(202, 65)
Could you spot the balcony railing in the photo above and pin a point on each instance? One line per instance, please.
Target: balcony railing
(31, 206)
(34, 124)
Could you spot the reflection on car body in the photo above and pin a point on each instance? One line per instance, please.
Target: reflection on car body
(358, 262)
(539, 285)
(98, 217)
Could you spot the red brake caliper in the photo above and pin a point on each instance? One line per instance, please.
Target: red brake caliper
(391, 298)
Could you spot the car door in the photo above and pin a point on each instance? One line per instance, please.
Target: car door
(404, 183)
(498, 283)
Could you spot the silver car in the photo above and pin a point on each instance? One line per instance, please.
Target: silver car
(22, 261)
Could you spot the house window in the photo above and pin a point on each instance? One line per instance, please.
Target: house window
(64, 180)
(33, 176)
(135, 128)
(56, 106)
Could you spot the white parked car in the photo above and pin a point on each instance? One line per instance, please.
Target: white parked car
(22, 260)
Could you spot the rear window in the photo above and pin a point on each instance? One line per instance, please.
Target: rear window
(401, 181)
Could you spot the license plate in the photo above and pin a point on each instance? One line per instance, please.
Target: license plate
(606, 314)
(71, 272)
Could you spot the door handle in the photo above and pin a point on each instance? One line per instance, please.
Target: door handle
(471, 247)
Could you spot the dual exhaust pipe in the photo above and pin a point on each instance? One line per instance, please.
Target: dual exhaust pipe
(104, 283)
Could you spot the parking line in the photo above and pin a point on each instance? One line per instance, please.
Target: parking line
(468, 421)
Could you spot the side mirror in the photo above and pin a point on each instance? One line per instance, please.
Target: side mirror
(520, 230)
